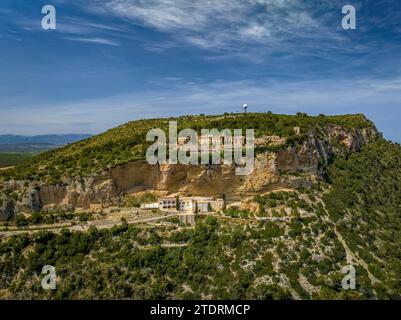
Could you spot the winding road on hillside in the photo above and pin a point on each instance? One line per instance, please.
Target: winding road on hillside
(99, 224)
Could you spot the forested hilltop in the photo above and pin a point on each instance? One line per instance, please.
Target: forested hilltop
(127, 143)
(289, 242)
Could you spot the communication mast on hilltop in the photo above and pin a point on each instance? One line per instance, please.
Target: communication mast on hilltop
(245, 106)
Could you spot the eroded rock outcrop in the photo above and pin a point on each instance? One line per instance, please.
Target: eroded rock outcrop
(7, 208)
(203, 180)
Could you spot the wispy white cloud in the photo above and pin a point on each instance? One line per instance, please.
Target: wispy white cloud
(221, 24)
(78, 29)
(77, 25)
(102, 41)
(250, 29)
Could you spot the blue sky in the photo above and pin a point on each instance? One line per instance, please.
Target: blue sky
(112, 61)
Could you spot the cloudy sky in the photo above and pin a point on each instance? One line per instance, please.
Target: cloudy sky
(111, 61)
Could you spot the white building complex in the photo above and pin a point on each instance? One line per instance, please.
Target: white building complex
(192, 204)
(150, 206)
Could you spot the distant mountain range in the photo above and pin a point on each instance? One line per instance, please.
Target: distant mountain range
(17, 143)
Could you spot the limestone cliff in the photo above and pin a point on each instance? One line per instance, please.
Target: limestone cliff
(309, 157)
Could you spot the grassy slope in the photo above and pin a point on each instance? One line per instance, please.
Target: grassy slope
(12, 159)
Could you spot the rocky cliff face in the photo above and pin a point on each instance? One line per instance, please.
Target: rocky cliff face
(320, 148)
(212, 180)
(7, 208)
